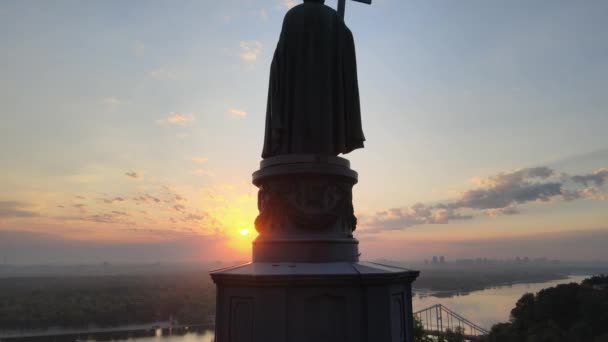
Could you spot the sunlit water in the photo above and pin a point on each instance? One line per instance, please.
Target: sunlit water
(207, 336)
(489, 306)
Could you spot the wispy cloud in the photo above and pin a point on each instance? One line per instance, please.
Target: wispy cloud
(146, 199)
(510, 188)
(133, 174)
(237, 112)
(113, 200)
(81, 207)
(598, 178)
(13, 209)
(177, 118)
(250, 50)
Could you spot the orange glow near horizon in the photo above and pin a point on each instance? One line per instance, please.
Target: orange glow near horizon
(241, 239)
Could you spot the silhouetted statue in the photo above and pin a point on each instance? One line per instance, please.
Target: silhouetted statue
(313, 98)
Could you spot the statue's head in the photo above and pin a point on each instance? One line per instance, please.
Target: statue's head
(316, 1)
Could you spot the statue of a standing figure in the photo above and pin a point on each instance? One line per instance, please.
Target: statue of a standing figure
(313, 98)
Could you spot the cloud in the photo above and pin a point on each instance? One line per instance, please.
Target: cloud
(592, 193)
(199, 159)
(114, 217)
(586, 193)
(146, 199)
(173, 197)
(288, 3)
(113, 200)
(13, 209)
(501, 193)
(494, 212)
(237, 112)
(133, 175)
(177, 118)
(514, 176)
(81, 207)
(496, 195)
(195, 217)
(598, 178)
(417, 214)
(506, 195)
(250, 50)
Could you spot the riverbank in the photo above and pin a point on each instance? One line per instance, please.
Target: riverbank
(157, 329)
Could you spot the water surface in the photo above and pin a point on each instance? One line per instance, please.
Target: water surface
(490, 306)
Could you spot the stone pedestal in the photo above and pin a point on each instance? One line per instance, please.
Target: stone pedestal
(306, 282)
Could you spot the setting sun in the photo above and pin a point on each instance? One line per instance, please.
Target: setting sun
(244, 231)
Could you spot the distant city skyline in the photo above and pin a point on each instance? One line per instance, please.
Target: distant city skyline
(130, 131)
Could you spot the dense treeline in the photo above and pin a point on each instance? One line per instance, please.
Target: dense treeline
(78, 302)
(569, 312)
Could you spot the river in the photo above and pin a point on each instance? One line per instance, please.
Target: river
(490, 306)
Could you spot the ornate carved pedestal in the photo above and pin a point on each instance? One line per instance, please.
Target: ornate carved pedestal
(306, 282)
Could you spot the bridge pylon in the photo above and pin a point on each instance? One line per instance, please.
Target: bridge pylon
(438, 319)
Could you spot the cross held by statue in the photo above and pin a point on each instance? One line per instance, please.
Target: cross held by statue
(342, 6)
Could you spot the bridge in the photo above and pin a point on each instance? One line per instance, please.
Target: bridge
(437, 319)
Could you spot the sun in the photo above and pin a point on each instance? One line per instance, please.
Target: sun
(244, 231)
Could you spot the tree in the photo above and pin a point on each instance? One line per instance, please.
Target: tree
(456, 335)
(419, 333)
(568, 312)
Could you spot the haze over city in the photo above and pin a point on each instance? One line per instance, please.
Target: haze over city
(130, 131)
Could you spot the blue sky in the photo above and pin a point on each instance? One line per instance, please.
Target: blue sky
(453, 94)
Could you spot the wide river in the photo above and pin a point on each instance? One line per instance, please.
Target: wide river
(489, 306)
(484, 307)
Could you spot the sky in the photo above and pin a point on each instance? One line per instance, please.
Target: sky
(129, 130)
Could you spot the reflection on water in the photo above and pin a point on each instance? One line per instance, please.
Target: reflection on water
(489, 306)
(206, 336)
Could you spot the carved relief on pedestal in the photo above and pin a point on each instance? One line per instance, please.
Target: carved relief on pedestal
(305, 204)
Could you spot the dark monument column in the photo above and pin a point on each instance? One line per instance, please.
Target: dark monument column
(306, 282)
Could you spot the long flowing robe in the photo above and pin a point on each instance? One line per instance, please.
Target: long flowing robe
(313, 98)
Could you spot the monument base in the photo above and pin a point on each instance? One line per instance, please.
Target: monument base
(321, 302)
(306, 283)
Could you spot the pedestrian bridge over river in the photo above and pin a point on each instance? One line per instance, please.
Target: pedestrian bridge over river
(438, 319)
